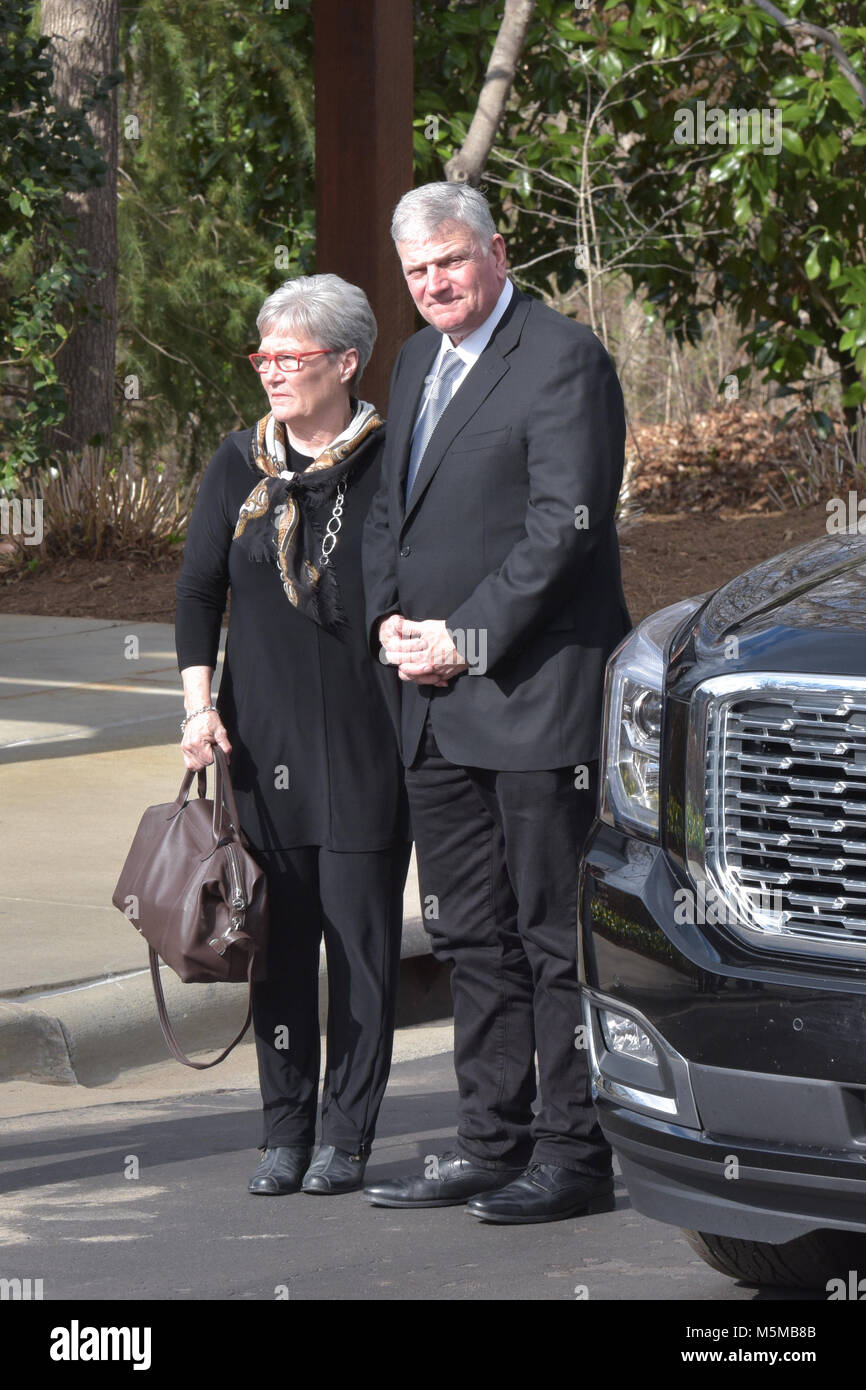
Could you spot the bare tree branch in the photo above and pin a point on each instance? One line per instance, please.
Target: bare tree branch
(824, 36)
(467, 165)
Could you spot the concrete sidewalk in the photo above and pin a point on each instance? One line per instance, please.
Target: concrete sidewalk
(89, 732)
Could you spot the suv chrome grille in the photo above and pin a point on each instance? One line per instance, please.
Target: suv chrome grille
(784, 808)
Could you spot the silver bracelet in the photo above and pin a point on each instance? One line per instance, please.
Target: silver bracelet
(195, 714)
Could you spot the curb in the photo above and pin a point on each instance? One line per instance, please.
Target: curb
(95, 1032)
(33, 1047)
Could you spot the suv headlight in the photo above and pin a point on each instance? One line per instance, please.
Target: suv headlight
(632, 721)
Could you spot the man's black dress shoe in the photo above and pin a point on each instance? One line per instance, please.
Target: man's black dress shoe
(545, 1192)
(281, 1170)
(452, 1180)
(334, 1170)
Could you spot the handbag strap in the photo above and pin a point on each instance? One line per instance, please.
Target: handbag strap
(167, 1030)
(183, 795)
(224, 796)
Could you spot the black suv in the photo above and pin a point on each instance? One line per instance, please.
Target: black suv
(723, 918)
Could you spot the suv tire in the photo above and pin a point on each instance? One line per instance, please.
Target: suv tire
(804, 1263)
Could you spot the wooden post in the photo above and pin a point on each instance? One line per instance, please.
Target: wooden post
(363, 56)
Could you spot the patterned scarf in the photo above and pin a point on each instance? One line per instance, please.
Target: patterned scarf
(280, 522)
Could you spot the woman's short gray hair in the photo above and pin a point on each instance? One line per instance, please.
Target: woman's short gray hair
(326, 309)
(421, 212)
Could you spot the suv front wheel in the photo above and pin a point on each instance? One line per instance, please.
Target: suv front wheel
(808, 1262)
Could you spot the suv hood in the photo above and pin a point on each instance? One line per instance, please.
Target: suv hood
(817, 584)
(803, 610)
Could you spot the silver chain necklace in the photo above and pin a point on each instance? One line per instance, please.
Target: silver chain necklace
(332, 530)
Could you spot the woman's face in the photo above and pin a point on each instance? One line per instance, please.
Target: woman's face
(314, 390)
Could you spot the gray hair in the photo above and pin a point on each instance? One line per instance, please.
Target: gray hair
(325, 308)
(421, 212)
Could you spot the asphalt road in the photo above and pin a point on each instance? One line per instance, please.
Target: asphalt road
(147, 1200)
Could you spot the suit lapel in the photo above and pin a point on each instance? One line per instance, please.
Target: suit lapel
(488, 370)
(406, 399)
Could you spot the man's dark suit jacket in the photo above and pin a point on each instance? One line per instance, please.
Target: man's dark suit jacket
(496, 540)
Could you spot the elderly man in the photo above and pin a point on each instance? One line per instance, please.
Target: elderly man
(493, 587)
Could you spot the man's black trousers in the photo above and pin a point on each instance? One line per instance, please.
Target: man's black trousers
(356, 902)
(498, 856)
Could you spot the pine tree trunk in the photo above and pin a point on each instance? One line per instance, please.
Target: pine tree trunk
(84, 36)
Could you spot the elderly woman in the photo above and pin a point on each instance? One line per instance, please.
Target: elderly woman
(302, 711)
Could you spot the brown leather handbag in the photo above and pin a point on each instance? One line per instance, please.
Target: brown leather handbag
(196, 894)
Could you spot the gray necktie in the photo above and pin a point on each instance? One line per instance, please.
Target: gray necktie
(440, 394)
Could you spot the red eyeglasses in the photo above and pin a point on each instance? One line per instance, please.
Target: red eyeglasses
(286, 361)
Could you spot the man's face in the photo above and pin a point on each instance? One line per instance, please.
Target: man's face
(454, 284)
